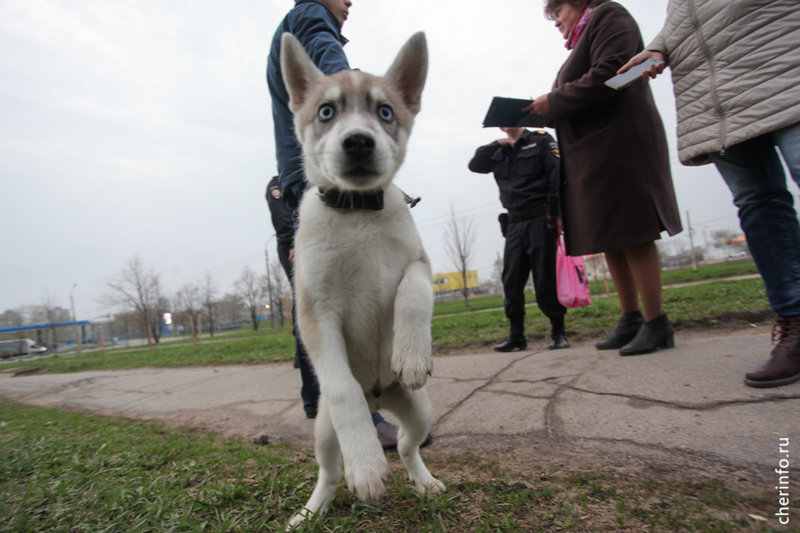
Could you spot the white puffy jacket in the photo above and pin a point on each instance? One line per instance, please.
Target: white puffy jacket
(735, 69)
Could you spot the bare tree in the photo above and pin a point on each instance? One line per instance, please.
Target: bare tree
(280, 288)
(12, 318)
(664, 248)
(188, 300)
(460, 245)
(138, 288)
(48, 312)
(497, 270)
(209, 289)
(251, 287)
(230, 308)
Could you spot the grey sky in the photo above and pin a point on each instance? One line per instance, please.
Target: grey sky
(143, 127)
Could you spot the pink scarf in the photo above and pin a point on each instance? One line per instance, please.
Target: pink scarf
(577, 29)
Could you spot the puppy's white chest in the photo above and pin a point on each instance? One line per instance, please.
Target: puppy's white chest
(350, 255)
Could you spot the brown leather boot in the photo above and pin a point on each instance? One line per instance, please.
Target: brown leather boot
(783, 367)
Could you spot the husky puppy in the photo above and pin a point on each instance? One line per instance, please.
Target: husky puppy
(362, 277)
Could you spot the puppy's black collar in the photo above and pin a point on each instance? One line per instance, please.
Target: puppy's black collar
(372, 200)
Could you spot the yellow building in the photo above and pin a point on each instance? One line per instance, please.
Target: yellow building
(454, 281)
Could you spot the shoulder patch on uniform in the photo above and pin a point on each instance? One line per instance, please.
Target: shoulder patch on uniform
(555, 150)
(275, 191)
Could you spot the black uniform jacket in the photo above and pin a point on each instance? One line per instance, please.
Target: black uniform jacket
(527, 173)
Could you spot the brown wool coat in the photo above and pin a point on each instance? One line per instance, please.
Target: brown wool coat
(616, 186)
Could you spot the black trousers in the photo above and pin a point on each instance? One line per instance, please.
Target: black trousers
(530, 247)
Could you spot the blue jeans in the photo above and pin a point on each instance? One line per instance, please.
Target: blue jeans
(754, 174)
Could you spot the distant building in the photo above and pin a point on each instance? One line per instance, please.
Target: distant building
(454, 281)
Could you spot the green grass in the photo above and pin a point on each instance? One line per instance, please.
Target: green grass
(476, 303)
(707, 306)
(248, 350)
(598, 288)
(729, 269)
(742, 267)
(69, 472)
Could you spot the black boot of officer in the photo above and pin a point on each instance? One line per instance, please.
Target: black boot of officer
(558, 334)
(515, 341)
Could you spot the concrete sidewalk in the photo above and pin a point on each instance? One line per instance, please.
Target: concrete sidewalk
(685, 406)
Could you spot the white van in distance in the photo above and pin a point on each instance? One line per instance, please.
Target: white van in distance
(19, 347)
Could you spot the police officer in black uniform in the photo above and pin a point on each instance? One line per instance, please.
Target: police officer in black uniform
(525, 165)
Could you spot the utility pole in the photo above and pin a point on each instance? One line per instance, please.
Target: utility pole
(691, 239)
(75, 320)
(269, 285)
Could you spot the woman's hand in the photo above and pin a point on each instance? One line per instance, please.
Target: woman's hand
(641, 56)
(540, 106)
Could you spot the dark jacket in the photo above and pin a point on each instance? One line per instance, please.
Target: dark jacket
(281, 215)
(616, 184)
(320, 34)
(526, 174)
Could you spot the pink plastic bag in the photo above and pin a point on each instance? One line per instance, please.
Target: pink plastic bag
(573, 285)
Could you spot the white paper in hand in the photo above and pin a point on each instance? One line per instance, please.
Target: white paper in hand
(628, 77)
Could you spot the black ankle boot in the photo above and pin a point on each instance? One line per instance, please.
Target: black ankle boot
(627, 328)
(513, 342)
(558, 334)
(654, 335)
(558, 341)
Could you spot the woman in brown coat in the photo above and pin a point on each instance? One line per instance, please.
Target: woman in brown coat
(616, 187)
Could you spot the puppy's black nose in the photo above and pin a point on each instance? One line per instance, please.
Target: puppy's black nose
(358, 145)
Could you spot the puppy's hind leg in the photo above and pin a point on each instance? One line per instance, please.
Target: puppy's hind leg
(413, 411)
(329, 459)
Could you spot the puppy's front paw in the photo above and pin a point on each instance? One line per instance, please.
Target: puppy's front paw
(412, 372)
(430, 486)
(368, 478)
(298, 519)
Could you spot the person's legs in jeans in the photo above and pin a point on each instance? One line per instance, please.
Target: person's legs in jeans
(756, 178)
(788, 142)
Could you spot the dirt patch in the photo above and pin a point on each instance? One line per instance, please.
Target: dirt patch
(542, 458)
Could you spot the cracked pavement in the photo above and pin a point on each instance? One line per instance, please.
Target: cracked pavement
(685, 406)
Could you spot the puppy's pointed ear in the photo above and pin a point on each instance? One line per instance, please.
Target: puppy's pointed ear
(409, 70)
(299, 73)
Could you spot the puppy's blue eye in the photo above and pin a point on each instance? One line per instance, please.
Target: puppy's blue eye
(386, 113)
(326, 112)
